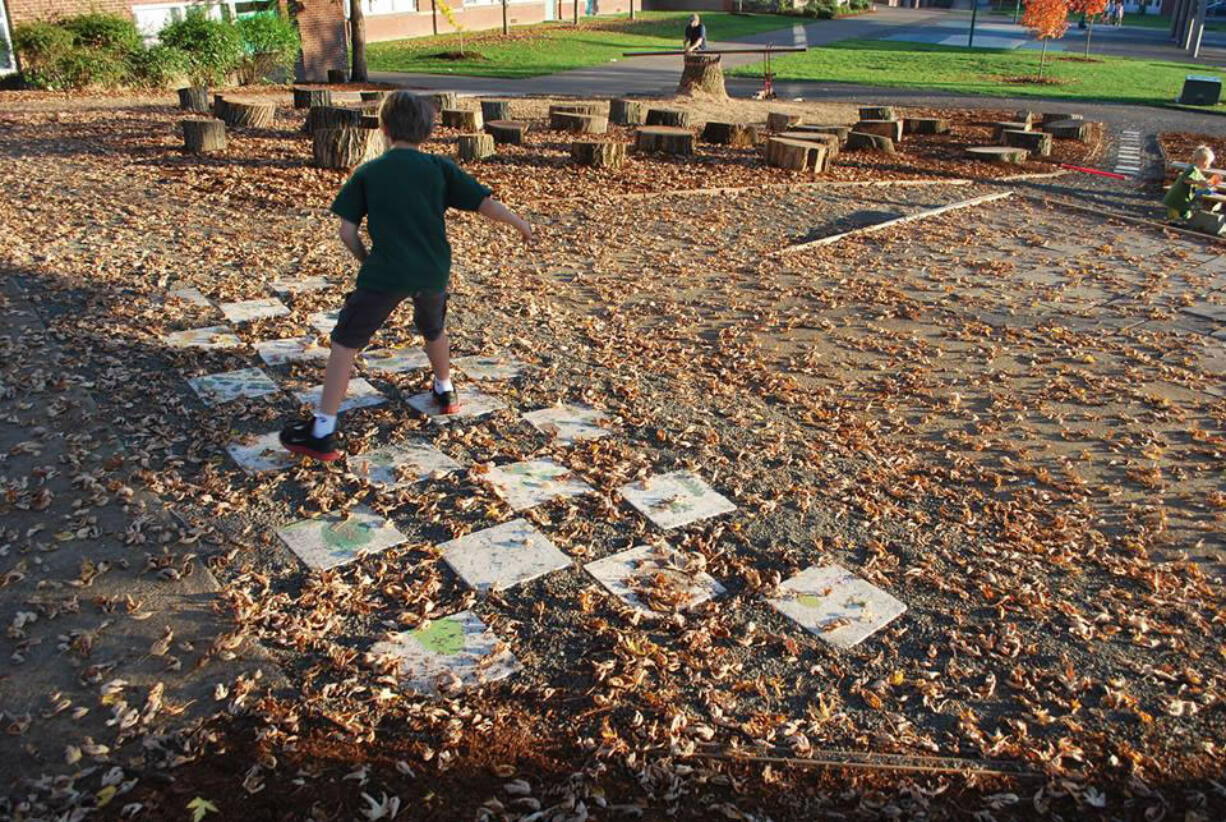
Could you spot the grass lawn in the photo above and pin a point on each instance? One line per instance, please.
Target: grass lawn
(547, 48)
(982, 71)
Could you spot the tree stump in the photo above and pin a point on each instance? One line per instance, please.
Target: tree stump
(829, 142)
(1003, 126)
(204, 136)
(737, 135)
(664, 140)
(249, 113)
(368, 121)
(305, 97)
(668, 117)
(702, 74)
(345, 147)
(462, 119)
(476, 146)
(598, 153)
(331, 117)
(337, 76)
(1067, 129)
(860, 141)
(376, 96)
(1025, 115)
(838, 131)
(781, 120)
(507, 132)
(998, 154)
(576, 123)
(925, 125)
(799, 155)
(1057, 116)
(885, 128)
(194, 98)
(1036, 142)
(495, 110)
(579, 108)
(441, 100)
(219, 106)
(877, 113)
(627, 112)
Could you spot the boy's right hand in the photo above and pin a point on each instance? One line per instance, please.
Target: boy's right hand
(525, 230)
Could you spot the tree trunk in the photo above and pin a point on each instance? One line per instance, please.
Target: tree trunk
(665, 140)
(598, 153)
(877, 113)
(461, 119)
(357, 38)
(203, 136)
(702, 74)
(345, 147)
(332, 117)
(507, 132)
(737, 135)
(219, 106)
(668, 117)
(799, 155)
(337, 76)
(1089, 34)
(579, 123)
(627, 112)
(492, 110)
(309, 97)
(434, 17)
(506, 23)
(631, 9)
(194, 98)
(475, 146)
(248, 113)
(781, 120)
(1042, 58)
(576, 12)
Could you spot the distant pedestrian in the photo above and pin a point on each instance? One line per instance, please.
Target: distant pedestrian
(695, 34)
(1119, 14)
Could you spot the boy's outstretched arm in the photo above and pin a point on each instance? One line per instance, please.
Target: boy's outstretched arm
(491, 209)
(352, 241)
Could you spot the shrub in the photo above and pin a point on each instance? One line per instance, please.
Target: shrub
(81, 67)
(108, 32)
(822, 9)
(213, 48)
(158, 66)
(38, 46)
(270, 43)
(861, 5)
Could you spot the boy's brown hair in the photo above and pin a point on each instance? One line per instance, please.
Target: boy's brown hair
(406, 117)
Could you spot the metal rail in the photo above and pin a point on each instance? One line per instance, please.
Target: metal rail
(679, 52)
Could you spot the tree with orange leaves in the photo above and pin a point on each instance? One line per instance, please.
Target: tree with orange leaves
(1089, 9)
(1047, 20)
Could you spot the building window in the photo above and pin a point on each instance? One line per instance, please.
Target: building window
(378, 8)
(152, 19)
(8, 63)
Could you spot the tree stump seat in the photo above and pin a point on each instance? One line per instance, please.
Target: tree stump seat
(375, 96)
(1067, 129)
(442, 100)
(309, 96)
(781, 120)
(576, 123)
(492, 110)
(862, 141)
(837, 130)
(702, 74)
(798, 155)
(332, 117)
(345, 147)
(461, 119)
(204, 136)
(244, 113)
(998, 154)
(877, 113)
(1008, 125)
(1025, 115)
(475, 146)
(1057, 116)
(828, 141)
(579, 108)
(737, 135)
(883, 128)
(627, 112)
(598, 153)
(1036, 142)
(925, 125)
(668, 117)
(664, 140)
(194, 98)
(507, 132)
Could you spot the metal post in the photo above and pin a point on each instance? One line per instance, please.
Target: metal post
(1202, 14)
(970, 41)
(1017, 11)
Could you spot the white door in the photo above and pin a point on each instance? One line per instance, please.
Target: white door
(551, 9)
(8, 61)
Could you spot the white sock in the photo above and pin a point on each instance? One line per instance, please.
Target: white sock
(325, 424)
(443, 385)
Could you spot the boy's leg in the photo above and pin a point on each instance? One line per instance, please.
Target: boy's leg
(438, 351)
(430, 316)
(336, 378)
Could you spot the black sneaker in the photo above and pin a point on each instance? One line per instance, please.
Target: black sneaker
(448, 401)
(297, 438)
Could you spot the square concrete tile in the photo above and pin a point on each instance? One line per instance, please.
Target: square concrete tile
(260, 454)
(324, 321)
(1210, 311)
(361, 394)
(395, 360)
(836, 605)
(449, 654)
(213, 337)
(291, 349)
(503, 556)
(489, 368)
(334, 540)
(473, 404)
(245, 311)
(526, 485)
(568, 424)
(402, 464)
(189, 296)
(298, 286)
(654, 575)
(215, 389)
(676, 499)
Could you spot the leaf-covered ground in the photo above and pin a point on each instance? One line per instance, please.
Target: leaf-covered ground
(1009, 417)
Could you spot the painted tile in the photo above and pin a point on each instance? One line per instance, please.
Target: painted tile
(489, 368)
(654, 575)
(331, 541)
(247, 310)
(449, 654)
(526, 485)
(568, 424)
(291, 349)
(259, 454)
(676, 499)
(472, 404)
(189, 296)
(402, 464)
(300, 286)
(503, 556)
(361, 394)
(215, 336)
(836, 605)
(1208, 310)
(215, 389)
(395, 360)
(324, 321)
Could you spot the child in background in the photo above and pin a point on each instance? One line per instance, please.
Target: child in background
(1184, 191)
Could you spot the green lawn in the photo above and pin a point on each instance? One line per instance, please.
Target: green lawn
(981, 71)
(552, 47)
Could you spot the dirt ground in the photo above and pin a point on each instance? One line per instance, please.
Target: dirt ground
(1009, 417)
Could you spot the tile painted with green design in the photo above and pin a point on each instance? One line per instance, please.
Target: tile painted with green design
(336, 539)
(473, 404)
(568, 424)
(291, 349)
(402, 464)
(448, 654)
(361, 394)
(836, 605)
(675, 499)
(324, 321)
(528, 484)
(215, 389)
(259, 454)
(503, 556)
(213, 337)
(655, 579)
(489, 368)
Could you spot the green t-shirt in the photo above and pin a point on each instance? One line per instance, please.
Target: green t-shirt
(1181, 194)
(403, 194)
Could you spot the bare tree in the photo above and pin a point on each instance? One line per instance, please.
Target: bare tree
(357, 39)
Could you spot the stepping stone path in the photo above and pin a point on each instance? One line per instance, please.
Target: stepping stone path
(473, 404)
(213, 337)
(402, 464)
(504, 556)
(489, 368)
(1128, 154)
(260, 454)
(568, 424)
(395, 360)
(215, 389)
(191, 296)
(448, 654)
(245, 311)
(650, 574)
(324, 321)
(525, 485)
(676, 499)
(292, 349)
(289, 287)
(361, 394)
(836, 605)
(334, 540)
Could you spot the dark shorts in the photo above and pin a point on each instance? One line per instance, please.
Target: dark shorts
(365, 312)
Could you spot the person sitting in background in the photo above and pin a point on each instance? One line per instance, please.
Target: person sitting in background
(695, 34)
(1184, 191)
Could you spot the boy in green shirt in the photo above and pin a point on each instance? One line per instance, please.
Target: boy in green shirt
(403, 195)
(1180, 196)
